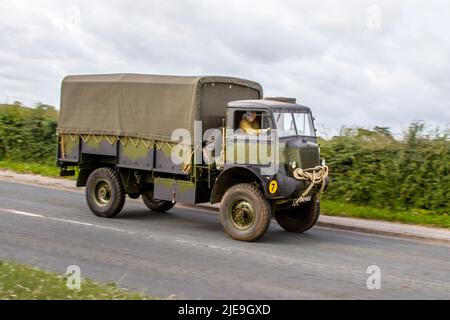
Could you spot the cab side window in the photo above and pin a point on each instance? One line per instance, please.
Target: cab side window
(262, 121)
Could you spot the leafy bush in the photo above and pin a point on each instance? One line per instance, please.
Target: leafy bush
(28, 134)
(370, 167)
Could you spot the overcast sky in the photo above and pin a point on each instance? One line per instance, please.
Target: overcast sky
(354, 62)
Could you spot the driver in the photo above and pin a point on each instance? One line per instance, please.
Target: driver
(250, 125)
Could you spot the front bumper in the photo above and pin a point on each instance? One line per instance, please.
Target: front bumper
(291, 188)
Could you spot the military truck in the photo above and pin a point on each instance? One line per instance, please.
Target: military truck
(170, 139)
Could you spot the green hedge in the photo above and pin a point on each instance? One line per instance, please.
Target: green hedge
(368, 167)
(28, 134)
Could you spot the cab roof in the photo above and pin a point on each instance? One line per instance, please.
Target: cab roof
(268, 104)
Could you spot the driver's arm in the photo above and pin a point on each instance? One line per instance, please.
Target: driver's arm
(252, 130)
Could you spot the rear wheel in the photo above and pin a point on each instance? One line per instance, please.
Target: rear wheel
(245, 213)
(299, 219)
(105, 194)
(156, 205)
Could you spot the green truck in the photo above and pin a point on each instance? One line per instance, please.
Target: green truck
(171, 139)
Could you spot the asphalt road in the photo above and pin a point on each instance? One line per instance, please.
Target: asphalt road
(186, 253)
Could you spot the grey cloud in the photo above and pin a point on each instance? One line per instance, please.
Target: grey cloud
(319, 51)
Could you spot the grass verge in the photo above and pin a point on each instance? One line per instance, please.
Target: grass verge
(20, 282)
(417, 217)
(329, 207)
(34, 168)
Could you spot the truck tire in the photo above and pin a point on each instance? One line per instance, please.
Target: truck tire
(299, 219)
(156, 205)
(245, 213)
(105, 194)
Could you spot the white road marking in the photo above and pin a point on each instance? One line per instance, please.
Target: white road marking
(34, 215)
(220, 248)
(113, 229)
(71, 221)
(23, 213)
(192, 243)
(196, 244)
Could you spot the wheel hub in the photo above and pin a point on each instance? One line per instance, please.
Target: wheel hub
(102, 193)
(242, 214)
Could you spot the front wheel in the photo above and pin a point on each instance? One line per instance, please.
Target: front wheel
(105, 194)
(156, 205)
(245, 213)
(299, 219)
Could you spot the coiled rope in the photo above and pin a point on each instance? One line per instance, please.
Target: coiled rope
(315, 176)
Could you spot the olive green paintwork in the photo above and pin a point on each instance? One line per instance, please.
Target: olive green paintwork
(97, 144)
(168, 183)
(175, 190)
(242, 151)
(136, 154)
(133, 152)
(164, 163)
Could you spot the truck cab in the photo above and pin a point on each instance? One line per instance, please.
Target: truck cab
(282, 161)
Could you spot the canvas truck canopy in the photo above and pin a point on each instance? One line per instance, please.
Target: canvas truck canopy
(147, 105)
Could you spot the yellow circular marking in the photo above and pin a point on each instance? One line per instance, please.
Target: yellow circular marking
(273, 187)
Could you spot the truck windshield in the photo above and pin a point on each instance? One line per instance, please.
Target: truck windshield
(294, 124)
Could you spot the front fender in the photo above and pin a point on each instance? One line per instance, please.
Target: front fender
(233, 175)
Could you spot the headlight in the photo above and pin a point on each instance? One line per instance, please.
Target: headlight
(293, 165)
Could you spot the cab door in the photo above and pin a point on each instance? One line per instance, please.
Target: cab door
(247, 149)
